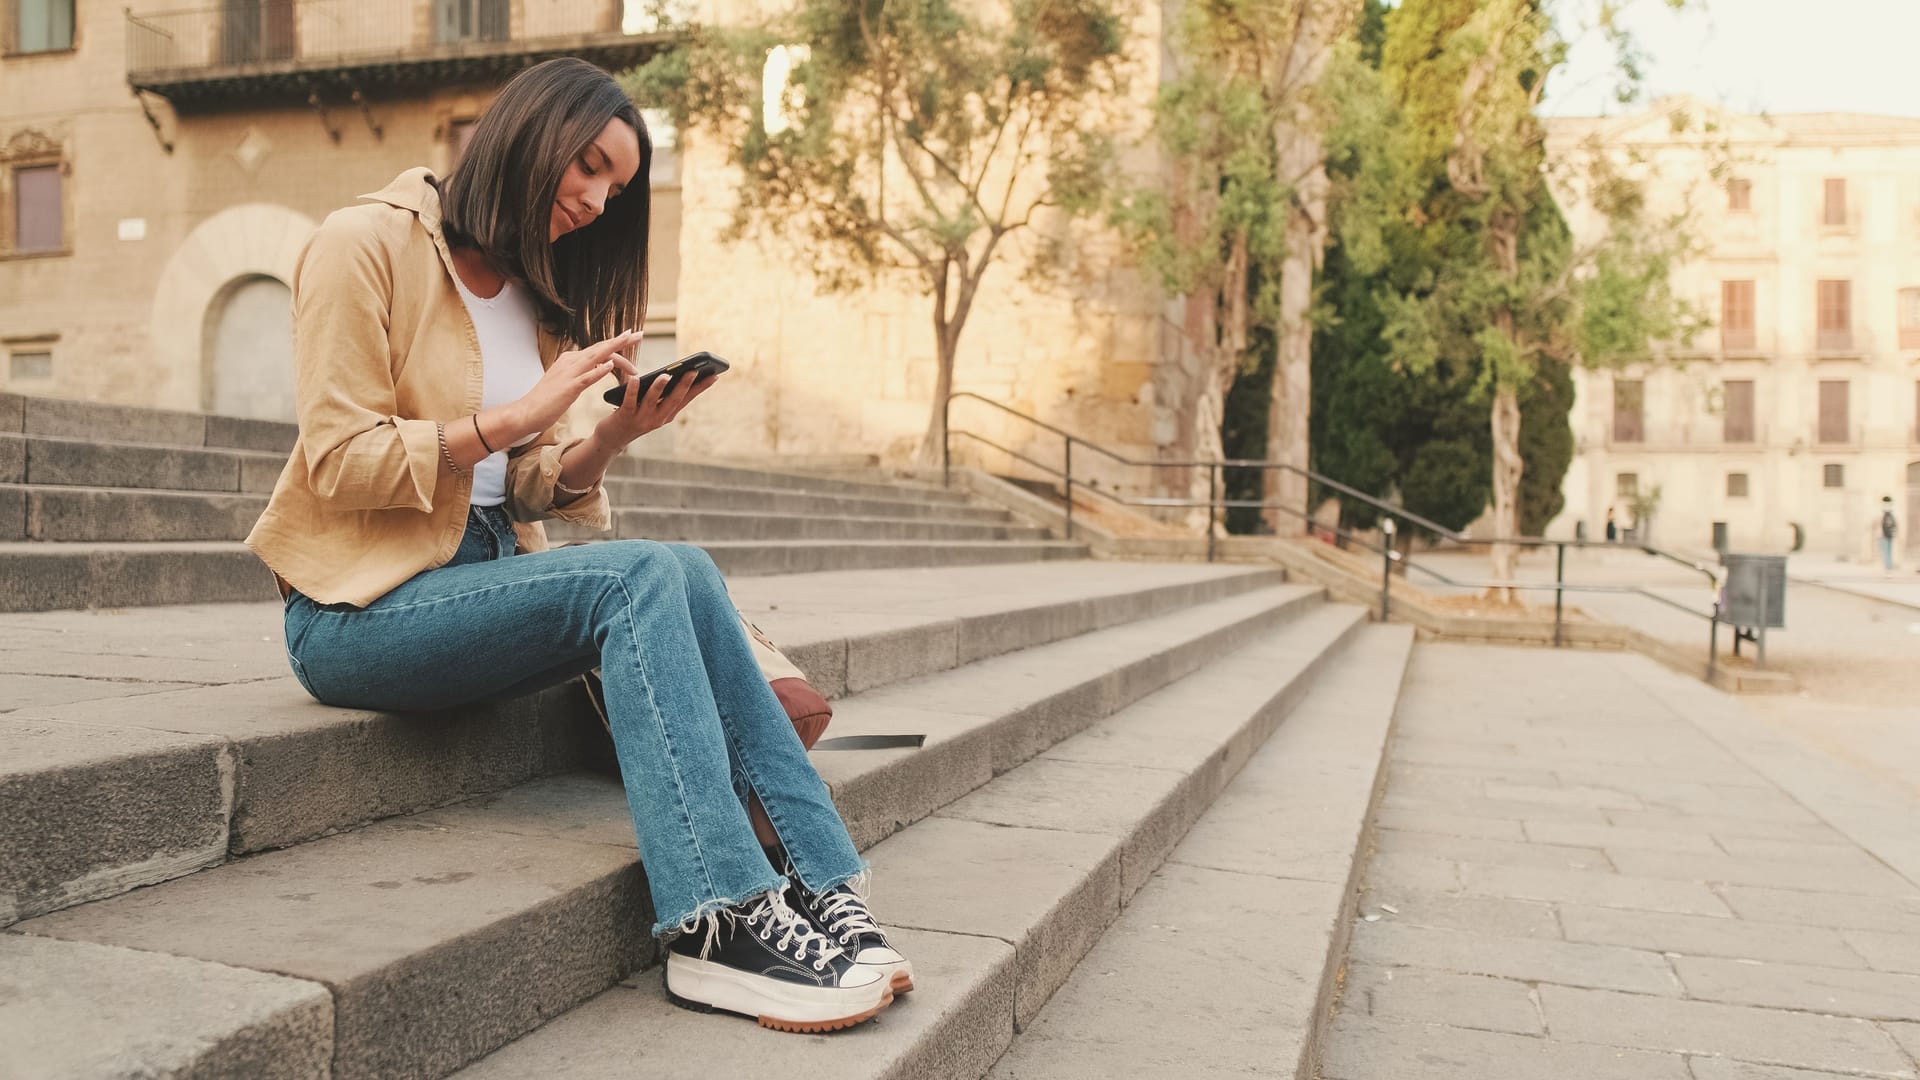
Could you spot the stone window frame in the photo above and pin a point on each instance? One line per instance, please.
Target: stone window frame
(31, 343)
(27, 150)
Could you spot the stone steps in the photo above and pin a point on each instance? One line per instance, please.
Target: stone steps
(48, 577)
(1004, 892)
(443, 935)
(109, 506)
(221, 762)
(1227, 962)
(64, 514)
(701, 526)
(664, 494)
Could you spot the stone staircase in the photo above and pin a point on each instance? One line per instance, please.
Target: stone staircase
(107, 506)
(208, 874)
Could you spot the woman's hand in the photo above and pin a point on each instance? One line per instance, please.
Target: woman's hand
(640, 413)
(570, 376)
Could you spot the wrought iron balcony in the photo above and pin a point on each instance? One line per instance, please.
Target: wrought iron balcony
(250, 50)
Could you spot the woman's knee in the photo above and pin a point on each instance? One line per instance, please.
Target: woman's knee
(696, 564)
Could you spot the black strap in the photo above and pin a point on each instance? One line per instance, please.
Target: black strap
(871, 742)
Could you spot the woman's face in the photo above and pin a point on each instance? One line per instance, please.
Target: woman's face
(602, 171)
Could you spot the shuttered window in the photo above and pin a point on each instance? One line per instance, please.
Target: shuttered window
(1833, 410)
(1629, 412)
(1835, 303)
(1736, 315)
(1739, 195)
(1834, 208)
(1737, 411)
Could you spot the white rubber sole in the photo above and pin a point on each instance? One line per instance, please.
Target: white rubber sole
(705, 986)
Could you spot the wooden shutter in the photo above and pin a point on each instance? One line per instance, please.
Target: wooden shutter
(38, 218)
(1833, 410)
(1835, 302)
(1739, 195)
(1909, 318)
(1835, 210)
(1736, 315)
(1737, 411)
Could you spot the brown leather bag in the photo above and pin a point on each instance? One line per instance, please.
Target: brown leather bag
(806, 707)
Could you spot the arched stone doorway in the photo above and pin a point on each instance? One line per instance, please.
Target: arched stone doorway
(249, 341)
(210, 272)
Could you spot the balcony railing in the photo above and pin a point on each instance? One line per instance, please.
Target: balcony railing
(247, 49)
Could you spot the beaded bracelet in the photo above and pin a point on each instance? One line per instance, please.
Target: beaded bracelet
(441, 430)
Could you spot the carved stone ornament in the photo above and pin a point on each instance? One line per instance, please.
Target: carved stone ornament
(30, 143)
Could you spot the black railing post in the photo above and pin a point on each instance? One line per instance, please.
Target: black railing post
(1387, 530)
(1559, 590)
(946, 442)
(1213, 504)
(1713, 643)
(1067, 474)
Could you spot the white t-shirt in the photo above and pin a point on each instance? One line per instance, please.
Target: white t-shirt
(510, 357)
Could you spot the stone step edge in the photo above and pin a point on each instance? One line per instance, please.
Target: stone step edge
(582, 899)
(379, 754)
(977, 1015)
(668, 470)
(1295, 1020)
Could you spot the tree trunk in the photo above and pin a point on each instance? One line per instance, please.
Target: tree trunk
(1299, 161)
(946, 342)
(1507, 467)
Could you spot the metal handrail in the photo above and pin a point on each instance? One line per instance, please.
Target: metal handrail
(1392, 514)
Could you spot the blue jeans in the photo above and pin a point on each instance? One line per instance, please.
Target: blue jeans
(695, 725)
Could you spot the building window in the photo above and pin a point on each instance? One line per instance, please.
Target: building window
(1835, 302)
(37, 213)
(43, 25)
(1736, 485)
(1629, 414)
(1737, 411)
(1833, 476)
(1736, 315)
(30, 364)
(1739, 195)
(1833, 410)
(1909, 318)
(1626, 486)
(1833, 211)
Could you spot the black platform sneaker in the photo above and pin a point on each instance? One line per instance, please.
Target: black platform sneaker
(765, 960)
(843, 916)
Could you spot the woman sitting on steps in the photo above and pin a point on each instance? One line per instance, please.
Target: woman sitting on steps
(438, 341)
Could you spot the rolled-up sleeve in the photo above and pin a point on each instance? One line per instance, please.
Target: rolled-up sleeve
(360, 454)
(532, 471)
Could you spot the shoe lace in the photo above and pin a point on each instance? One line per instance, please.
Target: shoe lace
(771, 917)
(845, 914)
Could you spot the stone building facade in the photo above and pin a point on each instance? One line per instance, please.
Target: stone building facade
(1799, 410)
(188, 155)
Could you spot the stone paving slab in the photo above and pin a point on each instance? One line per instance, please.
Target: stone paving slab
(1770, 911)
(65, 1014)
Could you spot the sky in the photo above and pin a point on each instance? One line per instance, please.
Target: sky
(1773, 56)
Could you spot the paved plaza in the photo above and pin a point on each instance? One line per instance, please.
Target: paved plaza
(1588, 867)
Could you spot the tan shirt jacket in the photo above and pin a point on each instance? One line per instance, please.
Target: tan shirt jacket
(382, 348)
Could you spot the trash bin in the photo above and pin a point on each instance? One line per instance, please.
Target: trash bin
(1756, 591)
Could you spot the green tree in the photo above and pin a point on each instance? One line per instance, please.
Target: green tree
(1459, 178)
(1236, 226)
(917, 136)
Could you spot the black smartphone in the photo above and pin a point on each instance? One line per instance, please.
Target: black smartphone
(700, 365)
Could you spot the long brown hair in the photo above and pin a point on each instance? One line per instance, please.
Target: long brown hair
(591, 283)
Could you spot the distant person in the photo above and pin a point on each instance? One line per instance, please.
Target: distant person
(442, 329)
(1889, 528)
(1613, 527)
